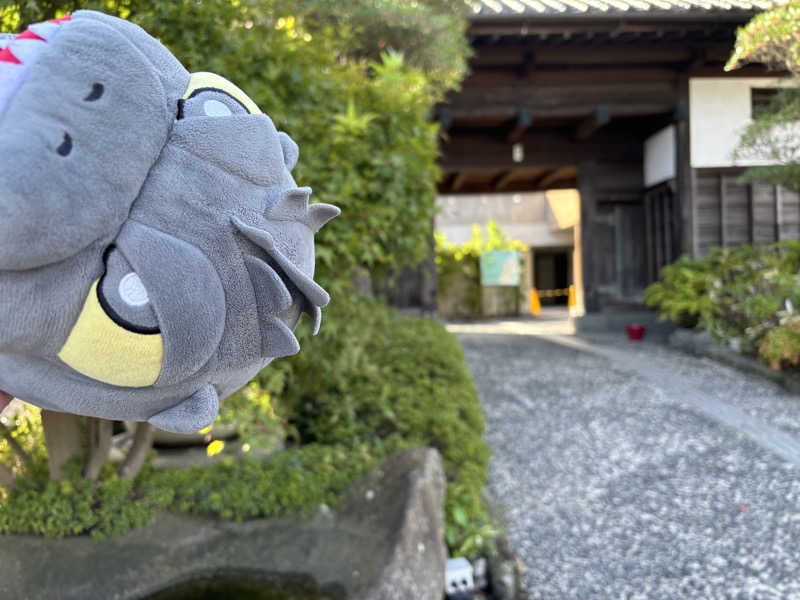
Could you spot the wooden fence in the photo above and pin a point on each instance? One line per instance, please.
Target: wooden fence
(729, 213)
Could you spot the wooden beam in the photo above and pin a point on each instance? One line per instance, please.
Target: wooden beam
(554, 176)
(698, 60)
(602, 53)
(511, 26)
(599, 118)
(501, 182)
(520, 125)
(458, 181)
(544, 149)
(527, 65)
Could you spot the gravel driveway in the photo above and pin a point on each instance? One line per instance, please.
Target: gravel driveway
(632, 471)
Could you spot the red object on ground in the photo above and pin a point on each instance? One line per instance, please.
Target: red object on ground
(635, 332)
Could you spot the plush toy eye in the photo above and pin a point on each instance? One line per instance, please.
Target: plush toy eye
(215, 108)
(208, 102)
(210, 95)
(116, 339)
(124, 297)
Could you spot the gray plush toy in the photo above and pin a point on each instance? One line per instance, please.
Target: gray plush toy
(155, 251)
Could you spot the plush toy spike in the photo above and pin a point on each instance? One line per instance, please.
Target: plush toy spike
(264, 240)
(19, 54)
(292, 206)
(320, 214)
(155, 251)
(315, 312)
(271, 293)
(190, 415)
(277, 339)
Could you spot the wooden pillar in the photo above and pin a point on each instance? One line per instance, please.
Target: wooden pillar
(684, 172)
(723, 211)
(751, 214)
(649, 220)
(577, 270)
(587, 173)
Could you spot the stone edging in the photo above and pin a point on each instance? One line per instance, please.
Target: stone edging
(700, 343)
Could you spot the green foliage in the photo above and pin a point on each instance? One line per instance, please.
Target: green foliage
(780, 347)
(75, 505)
(773, 136)
(371, 383)
(353, 87)
(682, 293)
(375, 377)
(737, 294)
(772, 38)
(285, 483)
(429, 34)
(458, 266)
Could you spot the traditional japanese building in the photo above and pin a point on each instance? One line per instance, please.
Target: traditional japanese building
(627, 102)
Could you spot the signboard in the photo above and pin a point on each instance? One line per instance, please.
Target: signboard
(500, 267)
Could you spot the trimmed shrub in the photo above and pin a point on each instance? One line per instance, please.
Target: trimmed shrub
(780, 347)
(739, 294)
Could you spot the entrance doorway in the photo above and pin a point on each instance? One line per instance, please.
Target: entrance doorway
(552, 272)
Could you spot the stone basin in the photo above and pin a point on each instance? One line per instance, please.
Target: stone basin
(384, 542)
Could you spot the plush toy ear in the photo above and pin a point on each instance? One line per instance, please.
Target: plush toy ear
(191, 414)
(290, 150)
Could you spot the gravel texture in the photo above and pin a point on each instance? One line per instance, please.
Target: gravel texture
(614, 485)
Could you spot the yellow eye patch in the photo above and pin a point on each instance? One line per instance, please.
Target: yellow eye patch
(205, 80)
(99, 348)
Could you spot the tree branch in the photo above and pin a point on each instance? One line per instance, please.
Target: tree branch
(99, 436)
(7, 476)
(64, 440)
(142, 442)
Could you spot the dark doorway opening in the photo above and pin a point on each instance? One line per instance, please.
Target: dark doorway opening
(551, 275)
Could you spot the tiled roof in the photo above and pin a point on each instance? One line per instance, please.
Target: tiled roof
(487, 9)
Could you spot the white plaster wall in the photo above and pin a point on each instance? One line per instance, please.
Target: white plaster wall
(659, 156)
(719, 109)
(523, 216)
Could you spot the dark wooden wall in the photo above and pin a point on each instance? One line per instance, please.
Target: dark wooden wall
(613, 233)
(729, 213)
